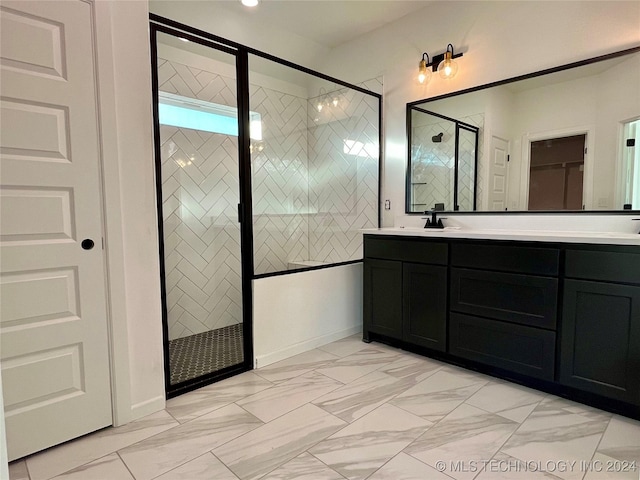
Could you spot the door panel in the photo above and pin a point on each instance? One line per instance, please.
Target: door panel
(600, 342)
(498, 174)
(199, 174)
(54, 344)
(424, 305)
(382, 309)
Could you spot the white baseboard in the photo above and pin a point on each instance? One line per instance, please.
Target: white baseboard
(148, 407)
(268, 359)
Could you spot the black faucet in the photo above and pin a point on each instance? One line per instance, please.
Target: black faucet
(433, 222)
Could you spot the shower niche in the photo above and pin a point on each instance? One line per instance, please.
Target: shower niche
(443, 154)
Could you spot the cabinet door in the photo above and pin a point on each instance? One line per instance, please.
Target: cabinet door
(383, 298)
(425, 305)
(600, 339)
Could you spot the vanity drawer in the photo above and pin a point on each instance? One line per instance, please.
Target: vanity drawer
(620, 267)
(510, 297)
(520, 349)
(410, 250)
(506, 258)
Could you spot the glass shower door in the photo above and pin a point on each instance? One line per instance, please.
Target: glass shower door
(198, 178)
(466, 169)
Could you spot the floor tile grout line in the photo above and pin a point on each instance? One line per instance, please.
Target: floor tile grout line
(174, 468)
(285, 413)
(110, 452)
(208, 451)
(320, 460)
(125, 465)
(424, 463)
(514, 432)
(595, 451)
(215, 408)
(26, 466)
(531, 413)
(498, 413)
(286, 461)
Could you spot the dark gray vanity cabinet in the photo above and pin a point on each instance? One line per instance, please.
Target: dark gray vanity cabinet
(558, 316)
(382, 308)
(503, 306)
(600, 337)
(406, 300)
(424, 305)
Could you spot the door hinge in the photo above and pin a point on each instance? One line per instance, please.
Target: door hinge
(585, 150)
(508, 158)
(631, 142)
(240, 213)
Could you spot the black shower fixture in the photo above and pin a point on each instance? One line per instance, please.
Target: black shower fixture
(437, 138)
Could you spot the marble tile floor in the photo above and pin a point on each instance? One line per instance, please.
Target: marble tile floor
(351, 410)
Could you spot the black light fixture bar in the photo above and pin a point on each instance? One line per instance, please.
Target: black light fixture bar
(436, 59)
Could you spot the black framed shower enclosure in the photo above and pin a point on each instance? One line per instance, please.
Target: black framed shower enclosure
(432, 170)
(195, 225)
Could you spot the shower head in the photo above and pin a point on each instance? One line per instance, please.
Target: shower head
(437, 138)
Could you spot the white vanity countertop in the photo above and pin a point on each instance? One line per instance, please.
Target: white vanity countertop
(608, 238)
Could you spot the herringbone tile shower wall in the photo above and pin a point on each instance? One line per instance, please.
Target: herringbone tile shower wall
(314, 180)
(200, 192)
(280, 180)
(433, 163)
(343, 174)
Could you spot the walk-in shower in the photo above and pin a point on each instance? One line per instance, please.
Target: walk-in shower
(262, 168)
(443, 154)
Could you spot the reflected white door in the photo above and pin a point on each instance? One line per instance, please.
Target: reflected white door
(498, 174)
(53, 331)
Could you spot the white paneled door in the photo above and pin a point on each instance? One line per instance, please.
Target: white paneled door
(53, 331)
(498, 174)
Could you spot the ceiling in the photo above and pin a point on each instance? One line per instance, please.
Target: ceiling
(327, 22)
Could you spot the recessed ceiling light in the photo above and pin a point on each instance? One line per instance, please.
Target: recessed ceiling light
(250, 3)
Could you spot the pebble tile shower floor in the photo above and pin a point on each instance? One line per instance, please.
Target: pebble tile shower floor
(202, 353)
(351, 410)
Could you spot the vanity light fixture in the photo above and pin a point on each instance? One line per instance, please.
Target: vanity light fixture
(250, 3)
(424, 75)
(327, 100)
(322, 100)
(442, 63)
(448, 67)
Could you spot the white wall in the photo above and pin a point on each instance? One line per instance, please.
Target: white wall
(4, 458)
(499, 40)
(617, 104)
(297, 312)
(242, 28)
(130, 206)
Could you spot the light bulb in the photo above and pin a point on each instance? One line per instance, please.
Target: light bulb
(424, 75)
(335, 101)
(249, 3)
(319, 106)
(448, 67)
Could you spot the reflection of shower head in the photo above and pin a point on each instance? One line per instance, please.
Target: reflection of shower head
(437, 138)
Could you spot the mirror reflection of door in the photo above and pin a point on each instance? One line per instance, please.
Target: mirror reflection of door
(556, 173)
(498, 174)
(631, 164)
